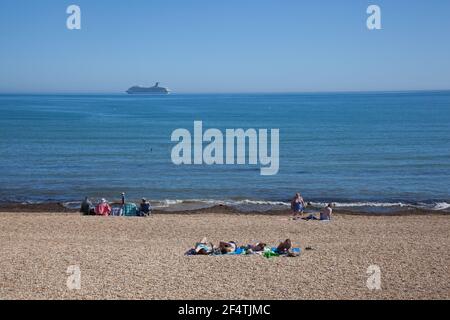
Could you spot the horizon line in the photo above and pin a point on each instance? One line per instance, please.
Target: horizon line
(229, 92)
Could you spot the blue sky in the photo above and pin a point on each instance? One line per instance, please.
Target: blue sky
(224, 46)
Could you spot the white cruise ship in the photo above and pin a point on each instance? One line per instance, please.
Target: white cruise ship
(156, 89)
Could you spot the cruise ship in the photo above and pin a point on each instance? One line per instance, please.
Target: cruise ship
(156, 89)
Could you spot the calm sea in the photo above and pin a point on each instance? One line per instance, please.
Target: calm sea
(371, 150)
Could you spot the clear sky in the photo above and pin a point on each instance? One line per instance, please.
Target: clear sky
(224, 46)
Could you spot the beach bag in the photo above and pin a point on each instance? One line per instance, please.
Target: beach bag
(129, 210)
(268, 253)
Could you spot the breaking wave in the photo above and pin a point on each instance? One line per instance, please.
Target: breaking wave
(248, 205)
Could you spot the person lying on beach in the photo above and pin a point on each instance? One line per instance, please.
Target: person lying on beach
(258, 247)
(325, 214)
(227, 247)
(103, 208)
(145, 208)
(205, 248)
(201, 248)
(284, 246)
(86, 207)
(297, 205)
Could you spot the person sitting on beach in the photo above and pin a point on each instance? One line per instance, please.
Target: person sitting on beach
(103, 208)
(86, 207)
(297, 205)
(325, 214)
(145, 208)
(227, 247)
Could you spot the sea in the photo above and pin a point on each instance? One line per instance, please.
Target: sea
(367, 152)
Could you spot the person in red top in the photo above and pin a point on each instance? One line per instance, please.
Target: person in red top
(103, 208)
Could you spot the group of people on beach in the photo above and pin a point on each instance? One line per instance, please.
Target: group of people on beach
(207, 248)
(103, 208)
(298, 206)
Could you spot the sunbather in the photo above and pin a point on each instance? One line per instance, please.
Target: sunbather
(284, 246)
(324, 215)
(203, 247)
(227, 247)
(256, 248)
(206, 248)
